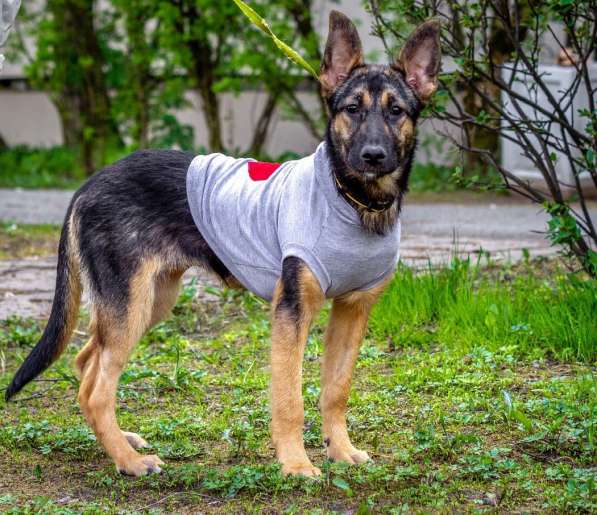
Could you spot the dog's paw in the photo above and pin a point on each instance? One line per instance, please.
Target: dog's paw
(136, 441)
(141, 465)
(347, 454)
(301, 468)
(360, 456)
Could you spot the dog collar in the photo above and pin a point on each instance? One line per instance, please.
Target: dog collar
(373, 207)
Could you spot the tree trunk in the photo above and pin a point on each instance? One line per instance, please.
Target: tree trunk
(211, 114)
(478, 137)
(302, 13)
(205, 60)
(82, 98)
(136, 16)
(261, 129)
(500, 48)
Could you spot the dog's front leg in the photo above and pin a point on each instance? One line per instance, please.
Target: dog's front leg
(347, 326)
(297, 299)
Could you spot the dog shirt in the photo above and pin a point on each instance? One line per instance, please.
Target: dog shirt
(253, 215)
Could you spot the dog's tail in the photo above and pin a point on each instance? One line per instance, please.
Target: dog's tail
(65, 310)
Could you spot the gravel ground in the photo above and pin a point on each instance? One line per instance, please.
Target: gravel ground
(432, 232)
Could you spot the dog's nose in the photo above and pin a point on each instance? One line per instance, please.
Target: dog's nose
(373, 154)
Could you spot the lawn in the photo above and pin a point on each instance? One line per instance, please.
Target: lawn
(23, 240)
(475, 390)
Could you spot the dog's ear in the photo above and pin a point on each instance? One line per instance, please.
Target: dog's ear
(343, 51)
(420, 59)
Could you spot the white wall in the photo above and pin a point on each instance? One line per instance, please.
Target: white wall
(29, 118)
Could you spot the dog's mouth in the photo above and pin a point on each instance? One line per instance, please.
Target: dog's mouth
(373, 174)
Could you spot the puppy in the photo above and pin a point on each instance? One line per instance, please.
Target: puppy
(326, 226)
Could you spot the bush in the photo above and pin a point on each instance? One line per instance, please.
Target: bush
(26, 167)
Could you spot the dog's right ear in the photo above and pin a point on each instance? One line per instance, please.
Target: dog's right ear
(343, 51)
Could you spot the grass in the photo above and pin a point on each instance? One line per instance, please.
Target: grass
(466, 306)
(24, 240)
(463, 406)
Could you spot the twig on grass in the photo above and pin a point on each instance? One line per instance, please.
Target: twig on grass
(213, 500)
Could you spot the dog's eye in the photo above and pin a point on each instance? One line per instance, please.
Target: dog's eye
(352, 108)
(396, 110)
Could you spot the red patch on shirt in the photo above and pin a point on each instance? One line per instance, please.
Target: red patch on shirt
(260, 171)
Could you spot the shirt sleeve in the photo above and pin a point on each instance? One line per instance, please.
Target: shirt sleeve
(312, 261)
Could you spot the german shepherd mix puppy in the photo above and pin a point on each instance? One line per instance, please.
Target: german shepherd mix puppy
(129, 235)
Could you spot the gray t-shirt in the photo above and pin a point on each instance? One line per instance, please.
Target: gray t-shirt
(253, 218)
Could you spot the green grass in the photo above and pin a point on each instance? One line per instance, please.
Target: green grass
(465, 306)
(26, 240)
(457, 412)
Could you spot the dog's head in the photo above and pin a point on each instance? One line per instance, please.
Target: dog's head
(373, 109)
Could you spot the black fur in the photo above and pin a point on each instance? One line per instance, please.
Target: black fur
(290, 299)
(132, 209)
(138, 208)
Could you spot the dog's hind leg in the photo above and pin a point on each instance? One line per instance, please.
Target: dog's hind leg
(114, 334)
(346, 328)
(167, 288)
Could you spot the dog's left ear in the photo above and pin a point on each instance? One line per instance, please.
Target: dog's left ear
(420, 59)
(343, 51)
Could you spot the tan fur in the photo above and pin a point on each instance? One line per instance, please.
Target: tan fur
(406, 134)
(366, 98)
(343, 52)
(288, 344)
(73, 300)
(154, 287)
(343, 127)
(420, 59)
(346, 328)
(153, 291)
(388, 97)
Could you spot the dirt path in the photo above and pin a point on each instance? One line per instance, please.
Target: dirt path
(27, 286)
(432, 231)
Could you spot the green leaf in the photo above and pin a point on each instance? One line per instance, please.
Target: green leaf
(514, 413)
(257, 20)
(262, 25)
(341, 484)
